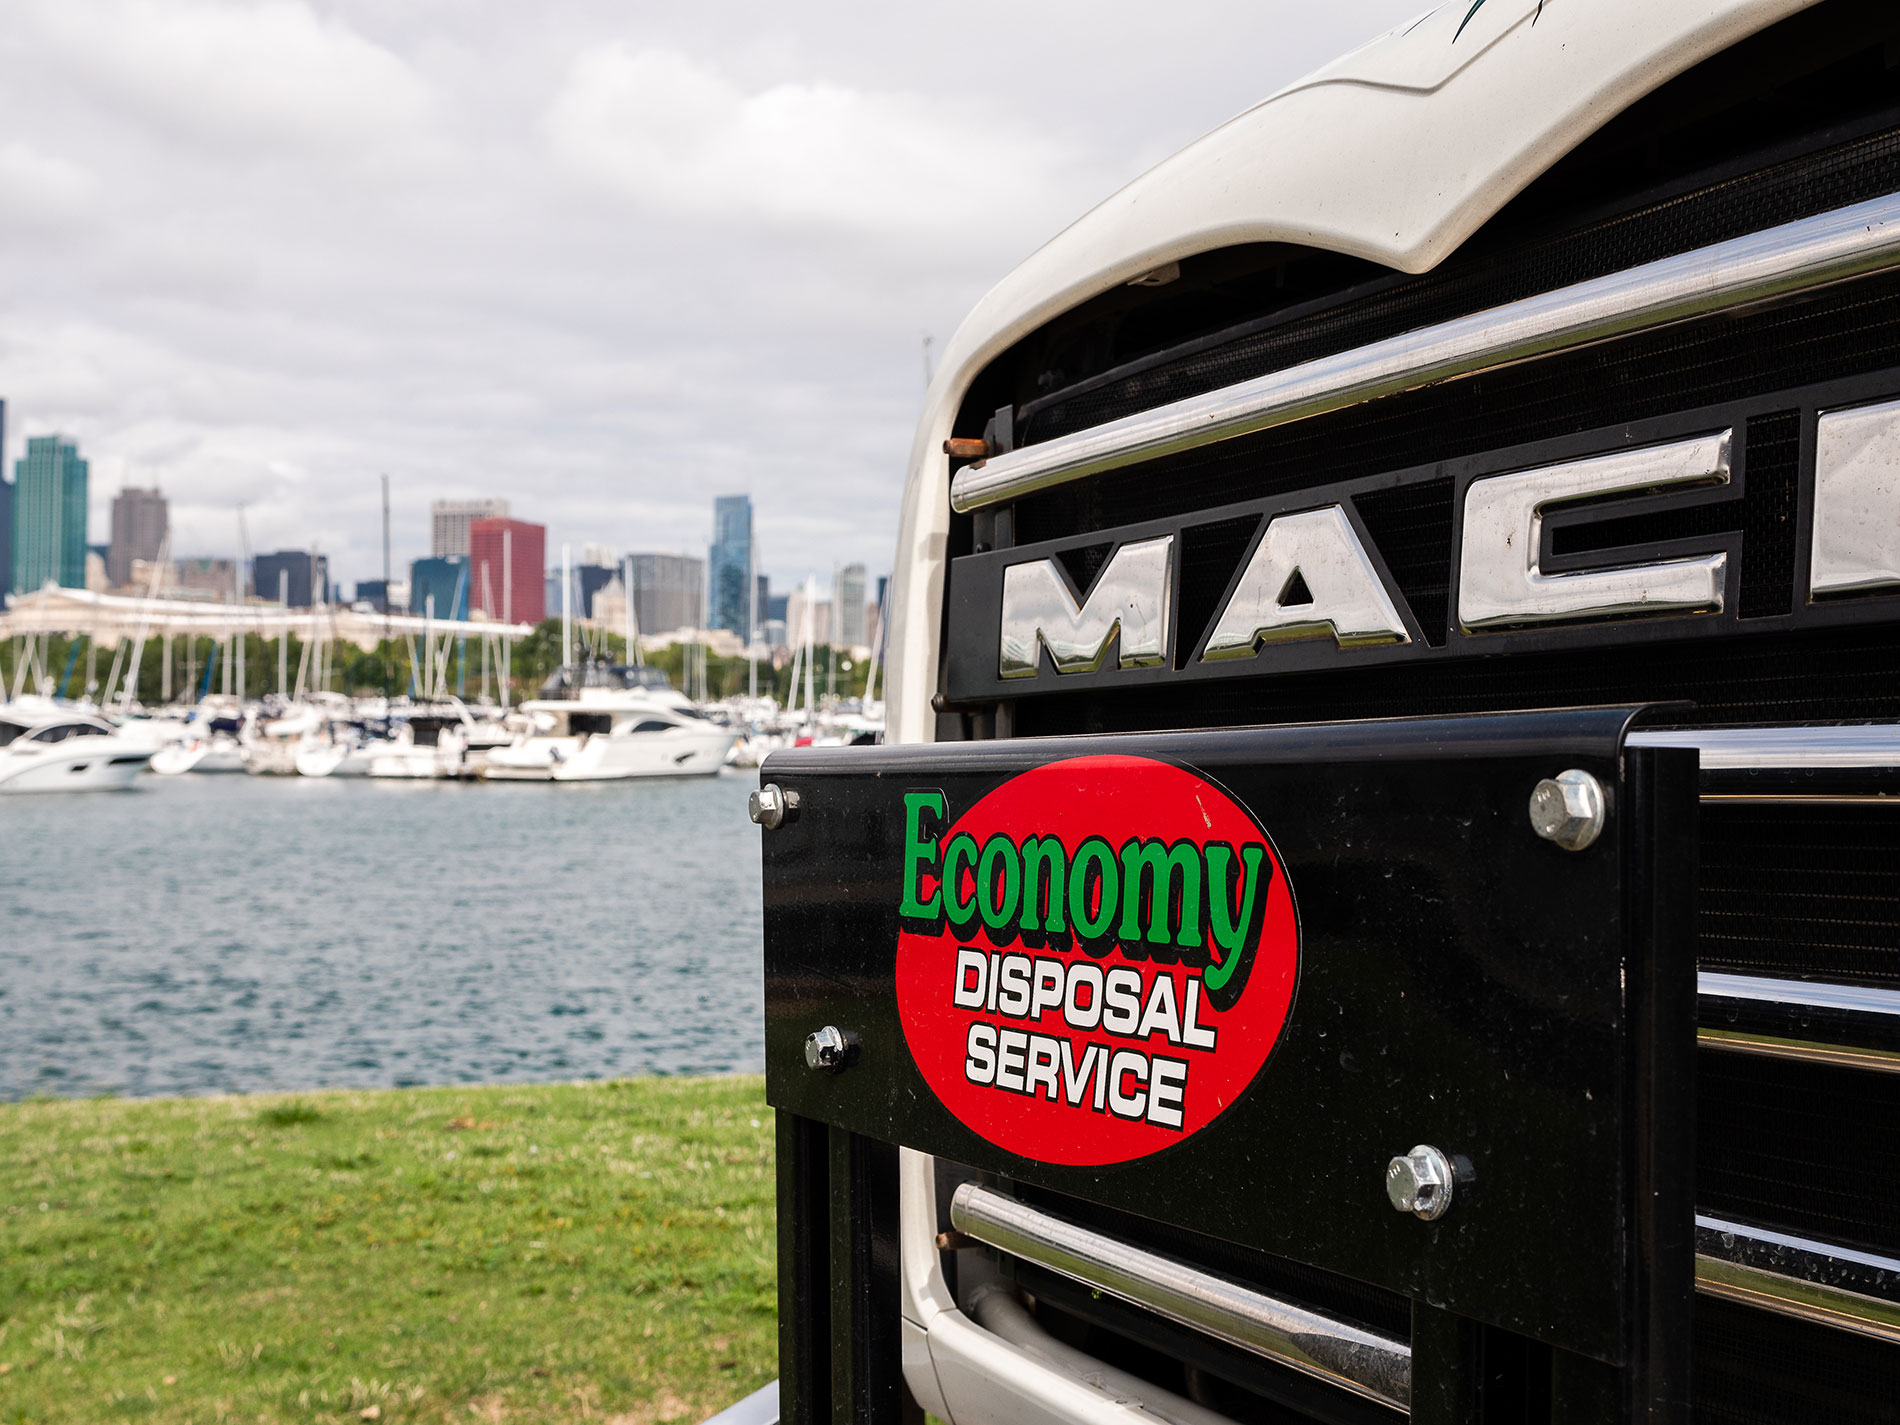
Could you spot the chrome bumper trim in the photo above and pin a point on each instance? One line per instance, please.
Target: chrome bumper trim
(1360, 1360)
(1781, 261)
(1793, 1276)
(1823, 765)
(1734, 749)
(1850, 1026)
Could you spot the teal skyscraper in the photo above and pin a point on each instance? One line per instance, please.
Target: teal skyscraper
(49, 516)
(732, 565)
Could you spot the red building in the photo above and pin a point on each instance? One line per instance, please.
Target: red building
(507, 569)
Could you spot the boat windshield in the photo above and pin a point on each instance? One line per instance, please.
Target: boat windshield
(9, 731)
(567, 682)
(60, 731)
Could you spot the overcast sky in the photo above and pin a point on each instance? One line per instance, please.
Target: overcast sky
(606, 260)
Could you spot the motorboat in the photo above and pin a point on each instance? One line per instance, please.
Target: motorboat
(209, 739)
(275, 740)
(60, 750)
(420, 747)
(601, 722)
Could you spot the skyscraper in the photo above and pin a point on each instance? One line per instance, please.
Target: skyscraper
(49, 516)
(140, 519)
(294, 575)
(589, 580)
(445, 580)
(507, 569)
(449, 521)
(669, 591)
(732, 564)
(850, 603)
(809, 615)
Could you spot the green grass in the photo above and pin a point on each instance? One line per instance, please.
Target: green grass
(560, 1253)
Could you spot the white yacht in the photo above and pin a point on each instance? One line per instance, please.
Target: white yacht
(276, 738)
(421, 746)
(598, 722)
(61, 750)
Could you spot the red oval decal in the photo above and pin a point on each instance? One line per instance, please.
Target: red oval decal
(1096, 959)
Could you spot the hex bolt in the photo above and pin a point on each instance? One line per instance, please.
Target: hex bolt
(1568, 809)
(1420, 1183)
(772, 806)
(830, 1048)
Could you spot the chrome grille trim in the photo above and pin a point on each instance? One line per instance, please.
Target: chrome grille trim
(1360, 1360)
(1778, 262)
(1734, 749)
(1851, 1026)
(1794, 1276)
(1852, 765)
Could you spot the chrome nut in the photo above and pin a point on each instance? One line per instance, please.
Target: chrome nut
(771, 806)
(1420, 1183)
(828, 1048)
(1568, 809)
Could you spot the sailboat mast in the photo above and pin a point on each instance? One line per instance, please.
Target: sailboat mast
(386, 606)
(283, 632)
(567, 605)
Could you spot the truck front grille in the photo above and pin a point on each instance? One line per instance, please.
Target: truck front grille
(1791, 890)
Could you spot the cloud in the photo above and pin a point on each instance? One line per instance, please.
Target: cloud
(677, 137)
(246, 72)
(42, 191)
(623, 270)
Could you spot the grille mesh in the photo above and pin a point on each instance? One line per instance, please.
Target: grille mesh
(1797, 892)
(1411, 527)
(1806, 1147)
(1756, 1369)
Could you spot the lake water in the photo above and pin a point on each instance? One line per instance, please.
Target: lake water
(208, 934)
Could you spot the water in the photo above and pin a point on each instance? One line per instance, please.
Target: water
(228, 933)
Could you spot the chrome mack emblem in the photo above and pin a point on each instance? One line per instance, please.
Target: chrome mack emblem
(1856, 501)
(1500, 583)
(1130, 598)
(1312, 577)
(1344, 599)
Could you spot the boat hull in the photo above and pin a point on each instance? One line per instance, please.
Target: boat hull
(107, 769)
(179, 757)
(688, 752)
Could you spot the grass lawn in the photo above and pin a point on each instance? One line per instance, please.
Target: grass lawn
(553, 1253)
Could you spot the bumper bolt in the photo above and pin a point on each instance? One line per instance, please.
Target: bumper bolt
(830, 1048)
(1568, 809)
(1420, 1183)
(771, 806)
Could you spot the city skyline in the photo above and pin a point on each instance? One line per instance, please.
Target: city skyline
(140, 531)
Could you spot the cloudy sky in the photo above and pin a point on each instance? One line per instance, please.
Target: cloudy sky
(604, 259)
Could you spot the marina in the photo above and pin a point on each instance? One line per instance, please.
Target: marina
(600, 713)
